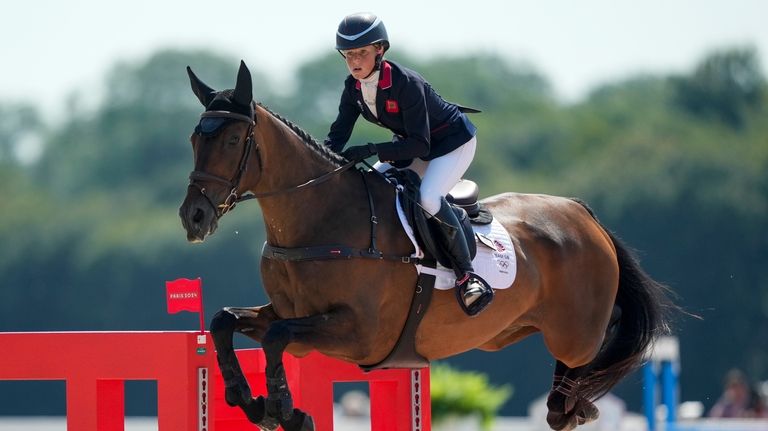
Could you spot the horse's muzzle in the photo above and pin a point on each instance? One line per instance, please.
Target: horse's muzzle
(197, 216)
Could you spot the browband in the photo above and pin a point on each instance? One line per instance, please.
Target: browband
(228, 114)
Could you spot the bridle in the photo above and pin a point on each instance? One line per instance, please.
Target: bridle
(195, 177)
(234, 183)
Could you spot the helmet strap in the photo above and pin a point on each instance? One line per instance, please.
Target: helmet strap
(376, 65)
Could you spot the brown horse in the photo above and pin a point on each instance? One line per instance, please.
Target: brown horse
(597, 310)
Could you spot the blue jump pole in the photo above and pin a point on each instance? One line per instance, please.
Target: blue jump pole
(662, 369)
(669, 392)
(649, 394)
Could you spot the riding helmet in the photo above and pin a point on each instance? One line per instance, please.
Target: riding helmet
(359, 30)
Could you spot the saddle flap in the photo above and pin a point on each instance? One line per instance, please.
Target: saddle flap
(426, 233)
(467, 191)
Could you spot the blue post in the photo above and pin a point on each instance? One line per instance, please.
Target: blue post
(664, 365)
(649, 394)
(669, 391)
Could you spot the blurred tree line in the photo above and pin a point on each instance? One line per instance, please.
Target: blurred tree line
(676, 165)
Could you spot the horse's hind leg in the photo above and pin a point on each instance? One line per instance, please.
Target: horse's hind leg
(567, 406)
(252, 322)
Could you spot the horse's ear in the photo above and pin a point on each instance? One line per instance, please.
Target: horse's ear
(203, 92)
(244, 86)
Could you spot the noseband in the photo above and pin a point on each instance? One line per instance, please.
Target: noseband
(234, 184)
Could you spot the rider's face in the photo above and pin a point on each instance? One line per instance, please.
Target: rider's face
(360, 61)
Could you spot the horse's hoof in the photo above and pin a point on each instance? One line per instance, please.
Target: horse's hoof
(256, 411)
(559, 421)
(556, 414)
(586, 411)
(299, 421)
(583, 412)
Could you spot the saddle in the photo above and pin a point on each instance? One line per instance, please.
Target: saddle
(463, 200)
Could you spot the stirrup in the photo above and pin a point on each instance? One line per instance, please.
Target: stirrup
(473, 293)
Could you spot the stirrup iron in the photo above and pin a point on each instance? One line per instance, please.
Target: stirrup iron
(473, 293)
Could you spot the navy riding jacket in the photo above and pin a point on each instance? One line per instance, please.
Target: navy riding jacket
(424, 125)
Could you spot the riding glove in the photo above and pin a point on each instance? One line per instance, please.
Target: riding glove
(358, 153)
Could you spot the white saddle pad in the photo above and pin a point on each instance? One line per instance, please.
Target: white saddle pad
(495, 260)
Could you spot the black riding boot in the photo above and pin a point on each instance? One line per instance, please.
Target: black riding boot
(472, 292)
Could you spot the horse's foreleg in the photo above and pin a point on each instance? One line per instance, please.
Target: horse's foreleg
(318, 331)
(252, 322)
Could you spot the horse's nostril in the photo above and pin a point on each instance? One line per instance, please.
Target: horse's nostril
(198, 217)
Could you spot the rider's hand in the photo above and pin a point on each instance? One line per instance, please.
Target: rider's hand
(359, 152)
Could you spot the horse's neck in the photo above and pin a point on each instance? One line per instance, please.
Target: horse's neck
(292, 216)
(286, 159)
(316, 215)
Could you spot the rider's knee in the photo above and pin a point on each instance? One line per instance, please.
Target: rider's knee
(430, 200)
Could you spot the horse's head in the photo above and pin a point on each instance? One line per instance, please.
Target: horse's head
(222, 144)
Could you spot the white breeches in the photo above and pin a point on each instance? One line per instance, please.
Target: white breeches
(439, 175)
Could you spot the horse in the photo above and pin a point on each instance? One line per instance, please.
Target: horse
(576, 283)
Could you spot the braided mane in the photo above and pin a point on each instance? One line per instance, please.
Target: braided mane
(311, 142)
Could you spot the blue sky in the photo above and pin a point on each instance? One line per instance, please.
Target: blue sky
(52, 48)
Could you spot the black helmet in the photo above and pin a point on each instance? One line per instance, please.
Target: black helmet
(359, 30)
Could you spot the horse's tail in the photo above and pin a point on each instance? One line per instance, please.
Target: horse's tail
(641, 314)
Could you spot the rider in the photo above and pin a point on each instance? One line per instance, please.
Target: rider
(432, 137)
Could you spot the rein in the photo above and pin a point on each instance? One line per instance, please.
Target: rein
(234, 184)
(313, 182)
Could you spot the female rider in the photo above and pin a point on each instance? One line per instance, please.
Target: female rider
(432, 137)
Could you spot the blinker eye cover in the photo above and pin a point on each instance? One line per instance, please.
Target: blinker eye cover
(210, 125)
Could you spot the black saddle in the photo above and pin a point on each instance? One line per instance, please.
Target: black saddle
(464, 195)
(463, 200)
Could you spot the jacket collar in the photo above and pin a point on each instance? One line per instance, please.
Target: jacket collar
(385, 77)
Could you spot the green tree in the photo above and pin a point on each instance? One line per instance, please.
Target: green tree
(315, 100)
(18, 124)
(134, 143)
(98, 224)
(724, 86)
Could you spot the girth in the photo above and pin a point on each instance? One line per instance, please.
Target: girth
(325, 252)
